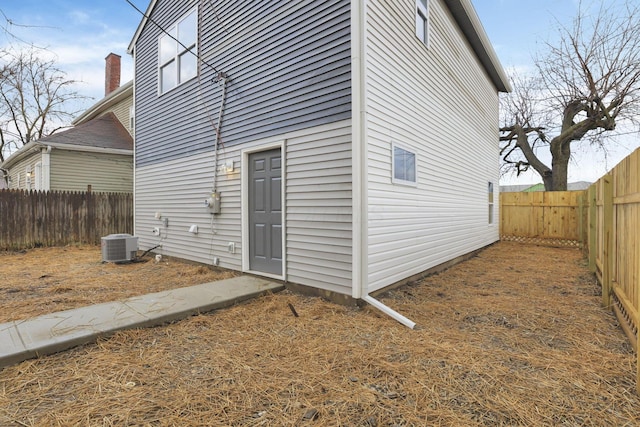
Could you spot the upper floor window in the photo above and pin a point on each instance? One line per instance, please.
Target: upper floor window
(490, 191)
(404, 166)
(422, 20)
(177, 52)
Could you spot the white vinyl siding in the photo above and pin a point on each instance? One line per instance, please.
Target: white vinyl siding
(319, 214)
(18, 172)
(318, 202)
(122, 111)
(441, 103)
(74, 171)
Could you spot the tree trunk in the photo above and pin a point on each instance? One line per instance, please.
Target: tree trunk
(560, 167)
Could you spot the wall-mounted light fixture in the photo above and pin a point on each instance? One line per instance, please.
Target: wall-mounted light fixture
(229, 166)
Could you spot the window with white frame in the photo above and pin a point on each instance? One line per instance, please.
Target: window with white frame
(404, 166)
(422, 20)
(132, 119)
(490, 190)
(29, 177)
(177, 52)
(37, 177)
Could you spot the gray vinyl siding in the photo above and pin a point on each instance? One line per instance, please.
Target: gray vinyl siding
(318, 213)
(438, 102)
(288, 65)
(74, 171)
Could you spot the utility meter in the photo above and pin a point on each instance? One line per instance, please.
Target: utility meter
(213, 203)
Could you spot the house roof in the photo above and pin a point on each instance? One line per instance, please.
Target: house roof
(123, 92)
(105, 131)
(464, 14)
(103, 134)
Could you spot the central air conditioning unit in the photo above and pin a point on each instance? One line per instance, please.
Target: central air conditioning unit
(119, 248)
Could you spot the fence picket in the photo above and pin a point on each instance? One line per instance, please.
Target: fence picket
(541, 217)
(38, 218)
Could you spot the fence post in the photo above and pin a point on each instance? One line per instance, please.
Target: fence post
(593, 209)
(581, 226)
(607, 262)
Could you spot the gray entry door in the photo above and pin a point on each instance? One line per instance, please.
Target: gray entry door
(265, 212)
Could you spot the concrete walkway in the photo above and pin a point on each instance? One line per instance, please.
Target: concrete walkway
(51, 333)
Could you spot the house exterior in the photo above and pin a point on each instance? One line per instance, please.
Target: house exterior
(343, 146)
(96, 153)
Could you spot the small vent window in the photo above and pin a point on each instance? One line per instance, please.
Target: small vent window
(490, 188)
(404, 166)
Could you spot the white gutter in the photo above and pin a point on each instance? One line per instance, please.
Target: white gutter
(21, 153)
(133, 124)
(359, 164)
(89, 149)
(358, 153)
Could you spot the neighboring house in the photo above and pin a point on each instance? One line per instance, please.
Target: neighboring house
(358, 144)
(96, 153)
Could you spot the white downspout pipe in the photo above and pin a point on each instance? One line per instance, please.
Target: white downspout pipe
(359, 165)
(389, 311)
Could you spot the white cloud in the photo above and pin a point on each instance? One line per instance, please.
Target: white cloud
(79, 17)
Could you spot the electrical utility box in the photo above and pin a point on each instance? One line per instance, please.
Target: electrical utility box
(213, 203)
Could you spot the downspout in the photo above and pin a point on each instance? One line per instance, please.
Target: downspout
(133, 125)
(389, 311)
(359, 165)
(5, 176)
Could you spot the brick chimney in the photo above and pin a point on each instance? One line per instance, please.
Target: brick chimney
(112, 73)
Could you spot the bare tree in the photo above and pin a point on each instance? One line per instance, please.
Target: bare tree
(34, 97)
(586, 84)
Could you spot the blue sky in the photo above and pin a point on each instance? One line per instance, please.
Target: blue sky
(82, 32)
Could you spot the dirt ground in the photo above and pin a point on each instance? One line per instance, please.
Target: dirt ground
(515, 337)
(43, 280)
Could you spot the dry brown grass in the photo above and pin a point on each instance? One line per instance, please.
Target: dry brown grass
(514, 336)
(44, 280)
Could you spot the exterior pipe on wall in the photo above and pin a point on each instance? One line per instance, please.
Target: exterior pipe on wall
(221, 77)
(389, 312)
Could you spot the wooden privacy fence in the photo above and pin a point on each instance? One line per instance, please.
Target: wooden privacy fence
(614, 244)
(38, 218)
(542, 217)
